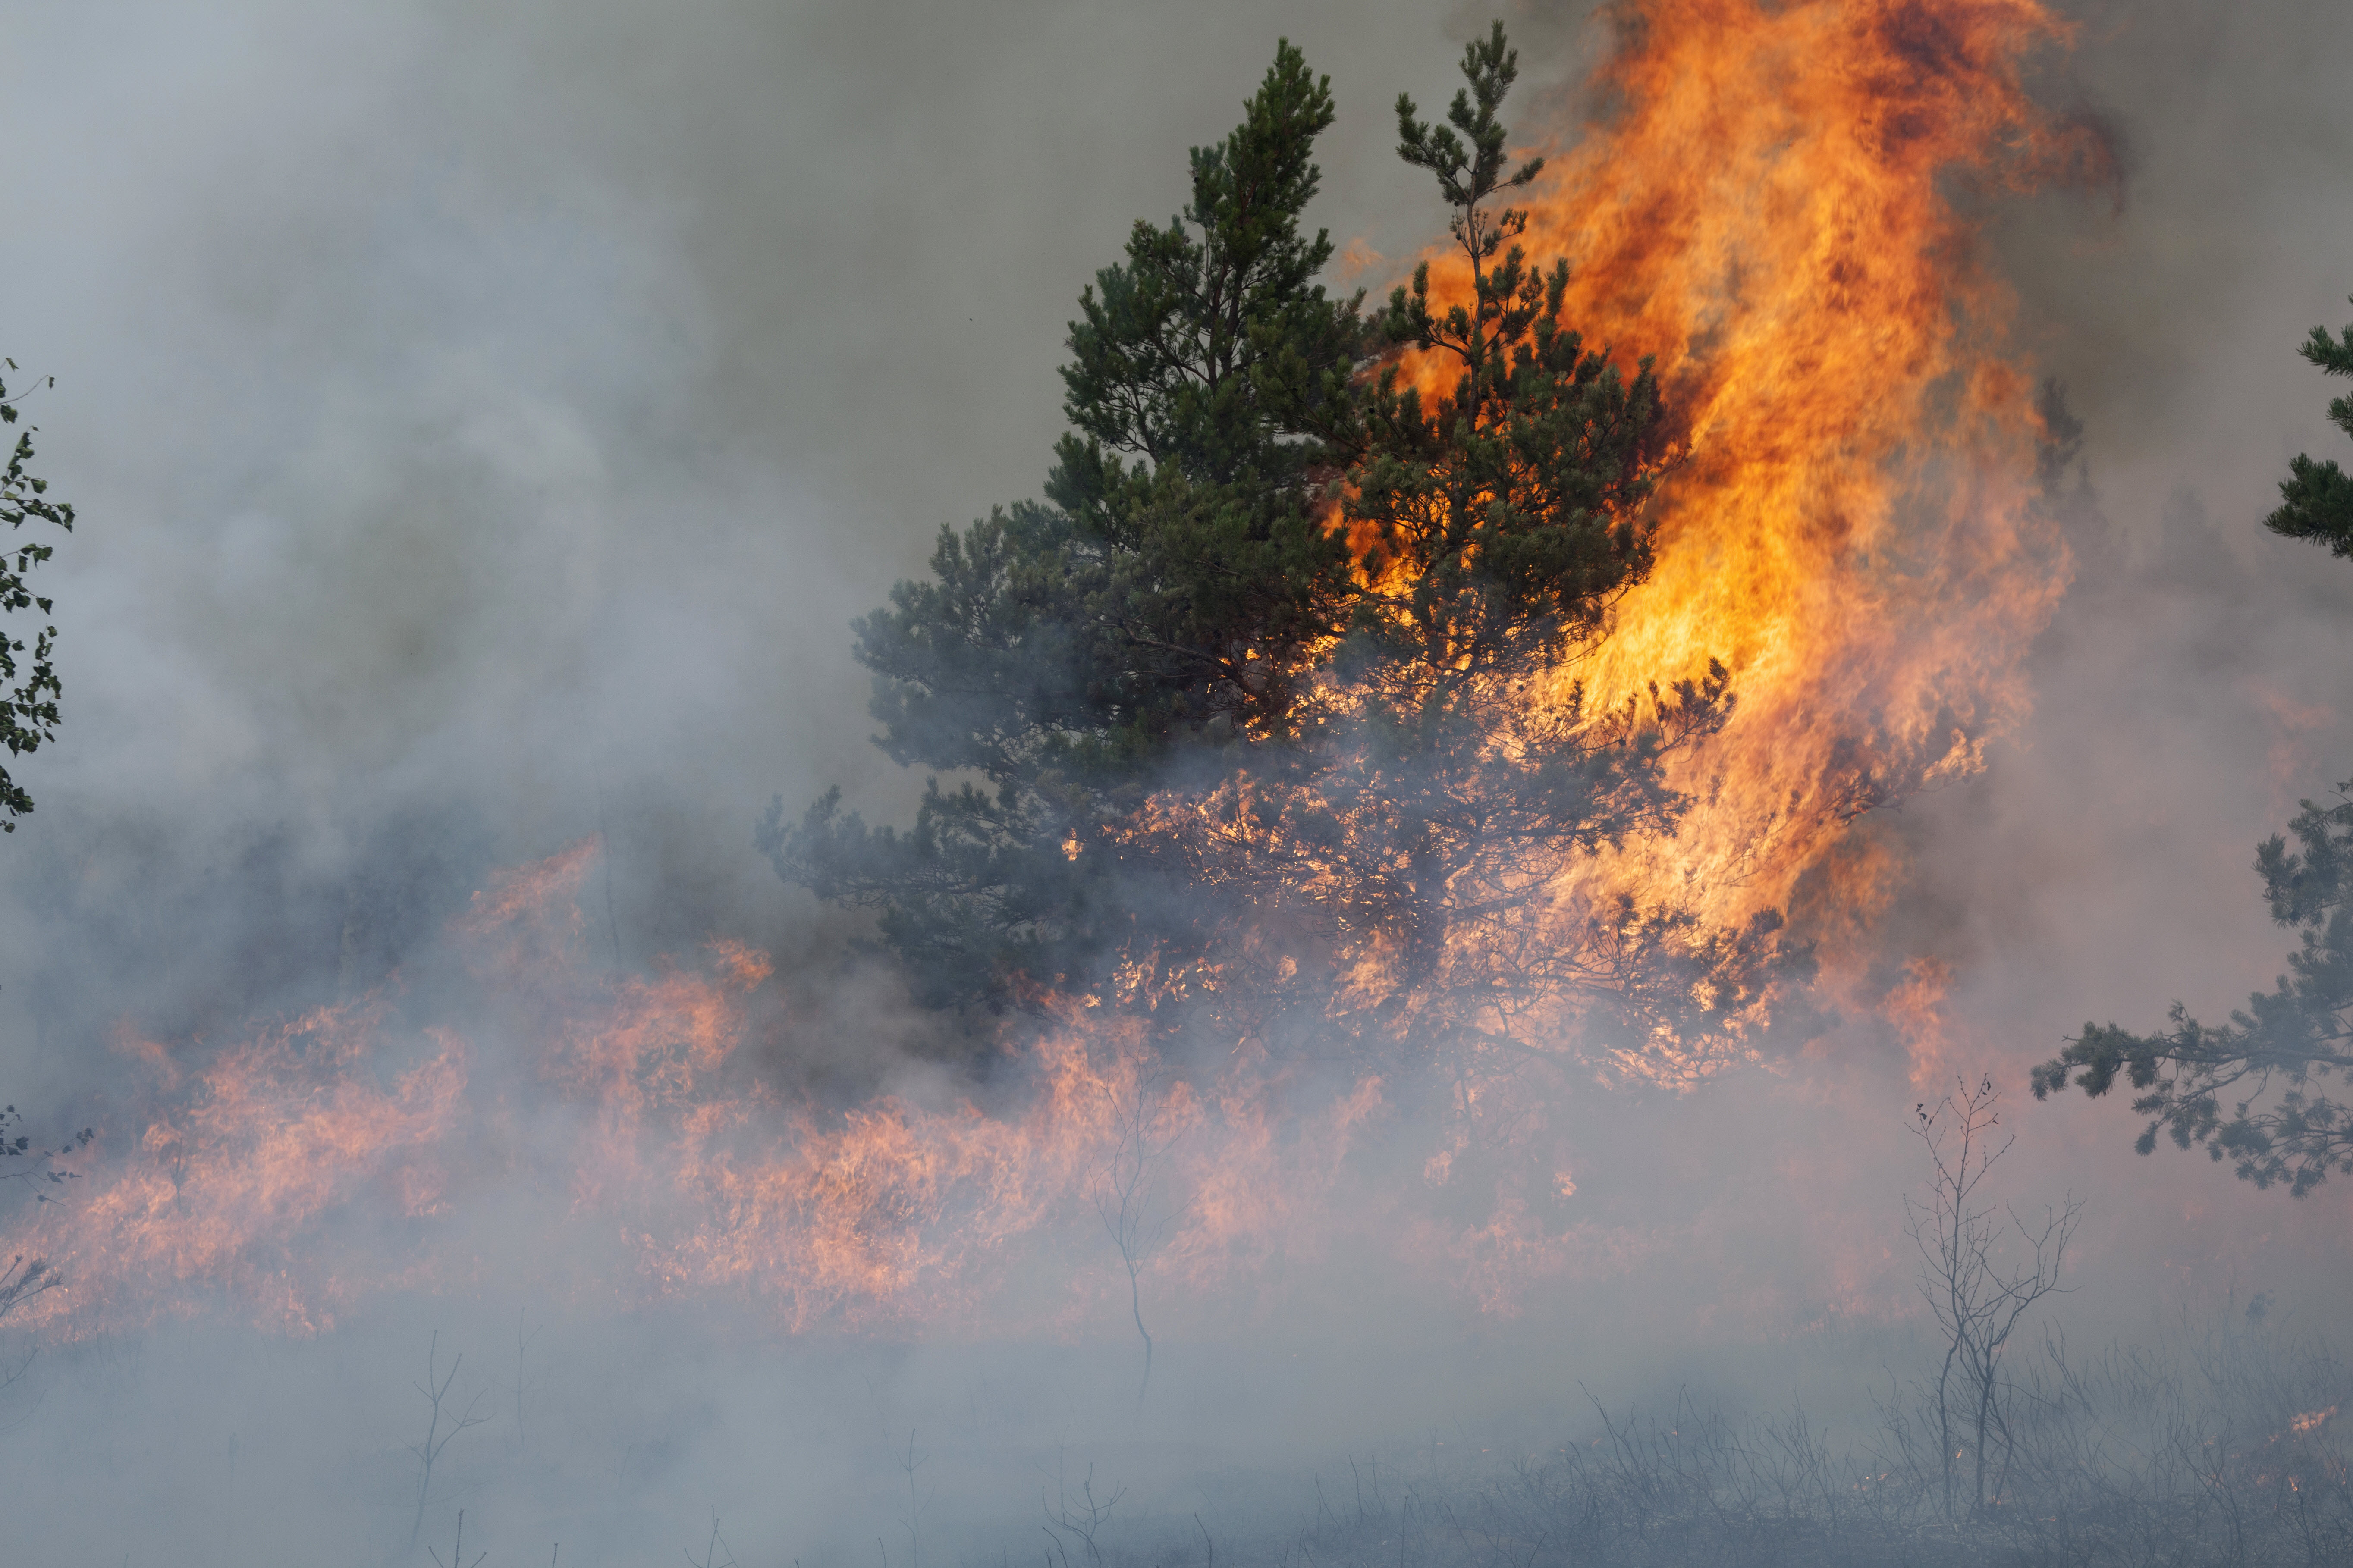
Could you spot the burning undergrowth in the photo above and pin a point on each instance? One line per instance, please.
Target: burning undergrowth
(337, 1155)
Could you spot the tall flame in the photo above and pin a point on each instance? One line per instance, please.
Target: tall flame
(1771, 213)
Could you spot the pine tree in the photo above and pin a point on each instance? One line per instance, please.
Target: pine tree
(1453, 778)
(2253, 1091)
(1165, 598)
(2271, 1062)
(29, 708)
(2317, 499)
(1278, 678)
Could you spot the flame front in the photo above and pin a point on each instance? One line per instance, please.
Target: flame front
(284, 1173)
(1771, 212)
(1772, 216)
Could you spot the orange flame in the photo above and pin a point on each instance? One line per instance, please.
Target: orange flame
(1771, 215)
(276, 1173)
(250, 1173)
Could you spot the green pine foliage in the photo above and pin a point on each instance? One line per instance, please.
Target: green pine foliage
(1165, 598)
(2317, 499)
(1274, 674)
(2255, 1091)
(28, 707)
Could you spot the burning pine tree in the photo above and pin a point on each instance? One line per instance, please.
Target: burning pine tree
(1275, 695)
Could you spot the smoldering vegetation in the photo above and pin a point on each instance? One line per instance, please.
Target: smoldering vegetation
(2217, 1441)
(2214, 1451)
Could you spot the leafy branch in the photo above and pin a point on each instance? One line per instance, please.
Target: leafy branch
(28, 707)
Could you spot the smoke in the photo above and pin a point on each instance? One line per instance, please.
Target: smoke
(500, 416)
(485, 421)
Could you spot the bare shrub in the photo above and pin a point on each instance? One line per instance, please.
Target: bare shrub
(1980, 1277)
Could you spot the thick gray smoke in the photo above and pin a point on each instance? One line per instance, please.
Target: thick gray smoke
(485, 420)
(490, 422)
